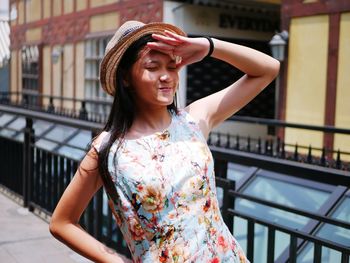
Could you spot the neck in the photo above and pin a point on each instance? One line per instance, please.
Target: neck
(150, 121)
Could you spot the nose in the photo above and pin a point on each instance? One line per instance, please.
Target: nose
(164, 77)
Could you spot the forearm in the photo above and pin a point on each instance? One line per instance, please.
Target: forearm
(80, 241)
(252, 62)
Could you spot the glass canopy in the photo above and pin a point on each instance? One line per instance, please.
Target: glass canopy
(63, 140)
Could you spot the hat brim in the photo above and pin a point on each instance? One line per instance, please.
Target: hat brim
(111, 59)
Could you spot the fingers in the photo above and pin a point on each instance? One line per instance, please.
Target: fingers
(160, 46)
(166, 39)
(175, 36)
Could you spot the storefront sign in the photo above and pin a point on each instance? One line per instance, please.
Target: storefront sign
(246, 23)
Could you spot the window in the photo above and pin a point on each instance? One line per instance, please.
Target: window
(67, 141)
(283, 190)
(30, 74)
(94, 51)
(334, 233)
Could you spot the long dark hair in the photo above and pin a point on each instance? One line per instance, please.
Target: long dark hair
(122, 112)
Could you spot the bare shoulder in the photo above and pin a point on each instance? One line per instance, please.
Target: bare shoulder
(97, 141)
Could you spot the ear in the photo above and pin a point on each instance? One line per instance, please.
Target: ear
(125, 79)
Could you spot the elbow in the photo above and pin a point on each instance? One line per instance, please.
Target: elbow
(53, 228)
(274, 68)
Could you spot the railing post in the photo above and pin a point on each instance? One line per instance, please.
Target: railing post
(27, 161)
(220, 167)
(228, 202)
(51, 107)
(83, 112)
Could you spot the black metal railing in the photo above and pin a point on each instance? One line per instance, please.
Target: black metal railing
(97, 111)
(40, 177)
(275, 147)
(84, 109)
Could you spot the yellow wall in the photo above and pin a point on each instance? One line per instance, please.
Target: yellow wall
(14, 73)
(104, 22)
(307, 75)
(47, 9)
(81, 4)
(33, 34)
(68, 6)
(95, 3)
(57, 7)
(46, 73)
(33, 10)
(68, 67)
(79, 69)
(20, 12)
(342, 118)
(19, 71)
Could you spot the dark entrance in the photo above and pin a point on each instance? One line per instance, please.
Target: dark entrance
(212, 75)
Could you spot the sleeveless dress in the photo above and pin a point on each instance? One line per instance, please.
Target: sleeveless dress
(167, 208)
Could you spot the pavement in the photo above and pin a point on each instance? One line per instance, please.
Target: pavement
(25, 236)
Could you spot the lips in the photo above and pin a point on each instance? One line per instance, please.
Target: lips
(166, 89)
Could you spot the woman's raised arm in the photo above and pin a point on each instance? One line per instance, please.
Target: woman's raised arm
(259, 68)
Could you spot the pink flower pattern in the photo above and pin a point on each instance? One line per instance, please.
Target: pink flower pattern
(167, 208)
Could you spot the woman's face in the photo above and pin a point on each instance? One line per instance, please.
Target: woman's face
(153, 79)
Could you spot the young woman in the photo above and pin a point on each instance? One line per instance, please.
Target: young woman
(151, 157)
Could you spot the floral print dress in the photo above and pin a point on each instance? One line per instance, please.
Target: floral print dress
(167, 208)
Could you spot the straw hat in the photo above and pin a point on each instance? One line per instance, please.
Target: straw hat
(127, 34)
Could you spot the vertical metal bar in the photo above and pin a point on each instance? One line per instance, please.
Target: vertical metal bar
(248, 144)
(43, 186)
(55, 181)
(31, 170)
(61, 176)
(228, 202)
(68, 172)
(49, 182)
(323, 157)
(271, 244)
(293, 249)
(228, 144)
(338, 163)
(28, 133)
(98, 215)
(283, 151)
(317, 253)
(296, 153)
(36, 182)
(259, 145)
(220, 167)
(250, 240)
(344, 257)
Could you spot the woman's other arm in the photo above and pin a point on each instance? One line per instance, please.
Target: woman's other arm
(64, 223)
(259, 68)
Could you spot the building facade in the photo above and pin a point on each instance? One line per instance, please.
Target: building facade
(56, 47)
(315, 75)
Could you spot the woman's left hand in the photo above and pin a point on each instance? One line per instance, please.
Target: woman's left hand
(190, 50)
